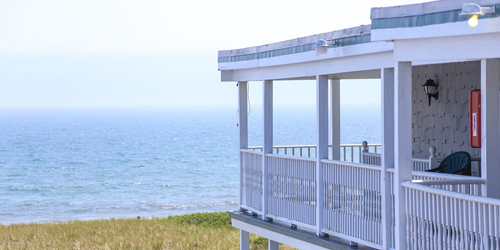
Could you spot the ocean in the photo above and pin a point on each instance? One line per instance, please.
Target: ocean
(64, 164)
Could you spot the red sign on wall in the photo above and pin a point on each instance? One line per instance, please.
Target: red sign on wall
(475, 118)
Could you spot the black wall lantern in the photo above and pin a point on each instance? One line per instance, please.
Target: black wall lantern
(431, 90)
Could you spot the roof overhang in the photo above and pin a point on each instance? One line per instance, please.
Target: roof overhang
(351, 51)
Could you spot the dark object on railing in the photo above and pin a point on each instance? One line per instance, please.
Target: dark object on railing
(456, 163)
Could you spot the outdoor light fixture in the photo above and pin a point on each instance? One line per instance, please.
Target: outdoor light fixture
(474, 10)
(430, 89)
(321, 46)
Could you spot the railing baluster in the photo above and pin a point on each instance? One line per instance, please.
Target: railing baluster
(352, 154)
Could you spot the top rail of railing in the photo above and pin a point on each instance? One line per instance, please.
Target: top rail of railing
(424, 187)
(289, 157)
(440, 176)
(250, 151)
(460, 181)
(377, 145)
(349, 152)
(352, 164)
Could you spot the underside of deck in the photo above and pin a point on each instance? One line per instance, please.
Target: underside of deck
(284, 233)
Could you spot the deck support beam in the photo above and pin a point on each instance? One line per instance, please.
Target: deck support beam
(322, 144)
(273, 245)
(267, 105)
(387, 91)
(335, 106)
(243, 128)
(402, 145)
(490, 109)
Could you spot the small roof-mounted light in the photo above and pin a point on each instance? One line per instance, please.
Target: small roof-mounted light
(321, 47)
(470, 9)
(474, 10)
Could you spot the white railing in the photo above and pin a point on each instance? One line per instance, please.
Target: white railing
(472, 189)
(374, 159)
(354, 152)
(348, 152)
(251, 180)
(352, 200)
(440, 219)
(421, 164)
(295, 150)
(352, 205)
(292, 189)
(432, 176)
(463, 188)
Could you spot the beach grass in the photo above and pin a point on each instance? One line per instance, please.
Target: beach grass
(191, 231)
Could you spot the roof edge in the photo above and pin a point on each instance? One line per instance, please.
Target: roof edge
(338, 34)
(424, 8)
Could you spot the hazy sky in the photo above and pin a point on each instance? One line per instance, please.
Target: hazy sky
(60, 53)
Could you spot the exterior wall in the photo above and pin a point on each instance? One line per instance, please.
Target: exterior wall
(444, 124)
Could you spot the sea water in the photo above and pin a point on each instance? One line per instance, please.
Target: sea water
(94, 163)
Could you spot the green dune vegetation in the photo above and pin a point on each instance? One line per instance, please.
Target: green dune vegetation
(190, 231)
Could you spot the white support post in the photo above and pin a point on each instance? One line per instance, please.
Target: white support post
(243, 128)
(490, 159)
(335, 105)
(402, 145)
(244, 240)
(267, 147)
(322, 144)
(273, 245)
(387, 154)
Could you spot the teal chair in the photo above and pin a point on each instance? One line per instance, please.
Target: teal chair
(456, 163)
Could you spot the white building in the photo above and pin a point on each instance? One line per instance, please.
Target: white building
(323, 201)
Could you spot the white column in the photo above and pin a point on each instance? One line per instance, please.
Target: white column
(490, 158)
(387, 86)
(402, 145)
(273, 245)
(243, 128)
(267, 147)
(244, 240)
(335, 105)
(322, 144)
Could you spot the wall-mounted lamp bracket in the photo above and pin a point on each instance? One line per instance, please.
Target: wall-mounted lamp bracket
(431, 89)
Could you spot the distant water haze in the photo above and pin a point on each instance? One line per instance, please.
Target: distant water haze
(65, 164)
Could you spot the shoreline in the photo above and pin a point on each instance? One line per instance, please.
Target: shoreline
(125, 216)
